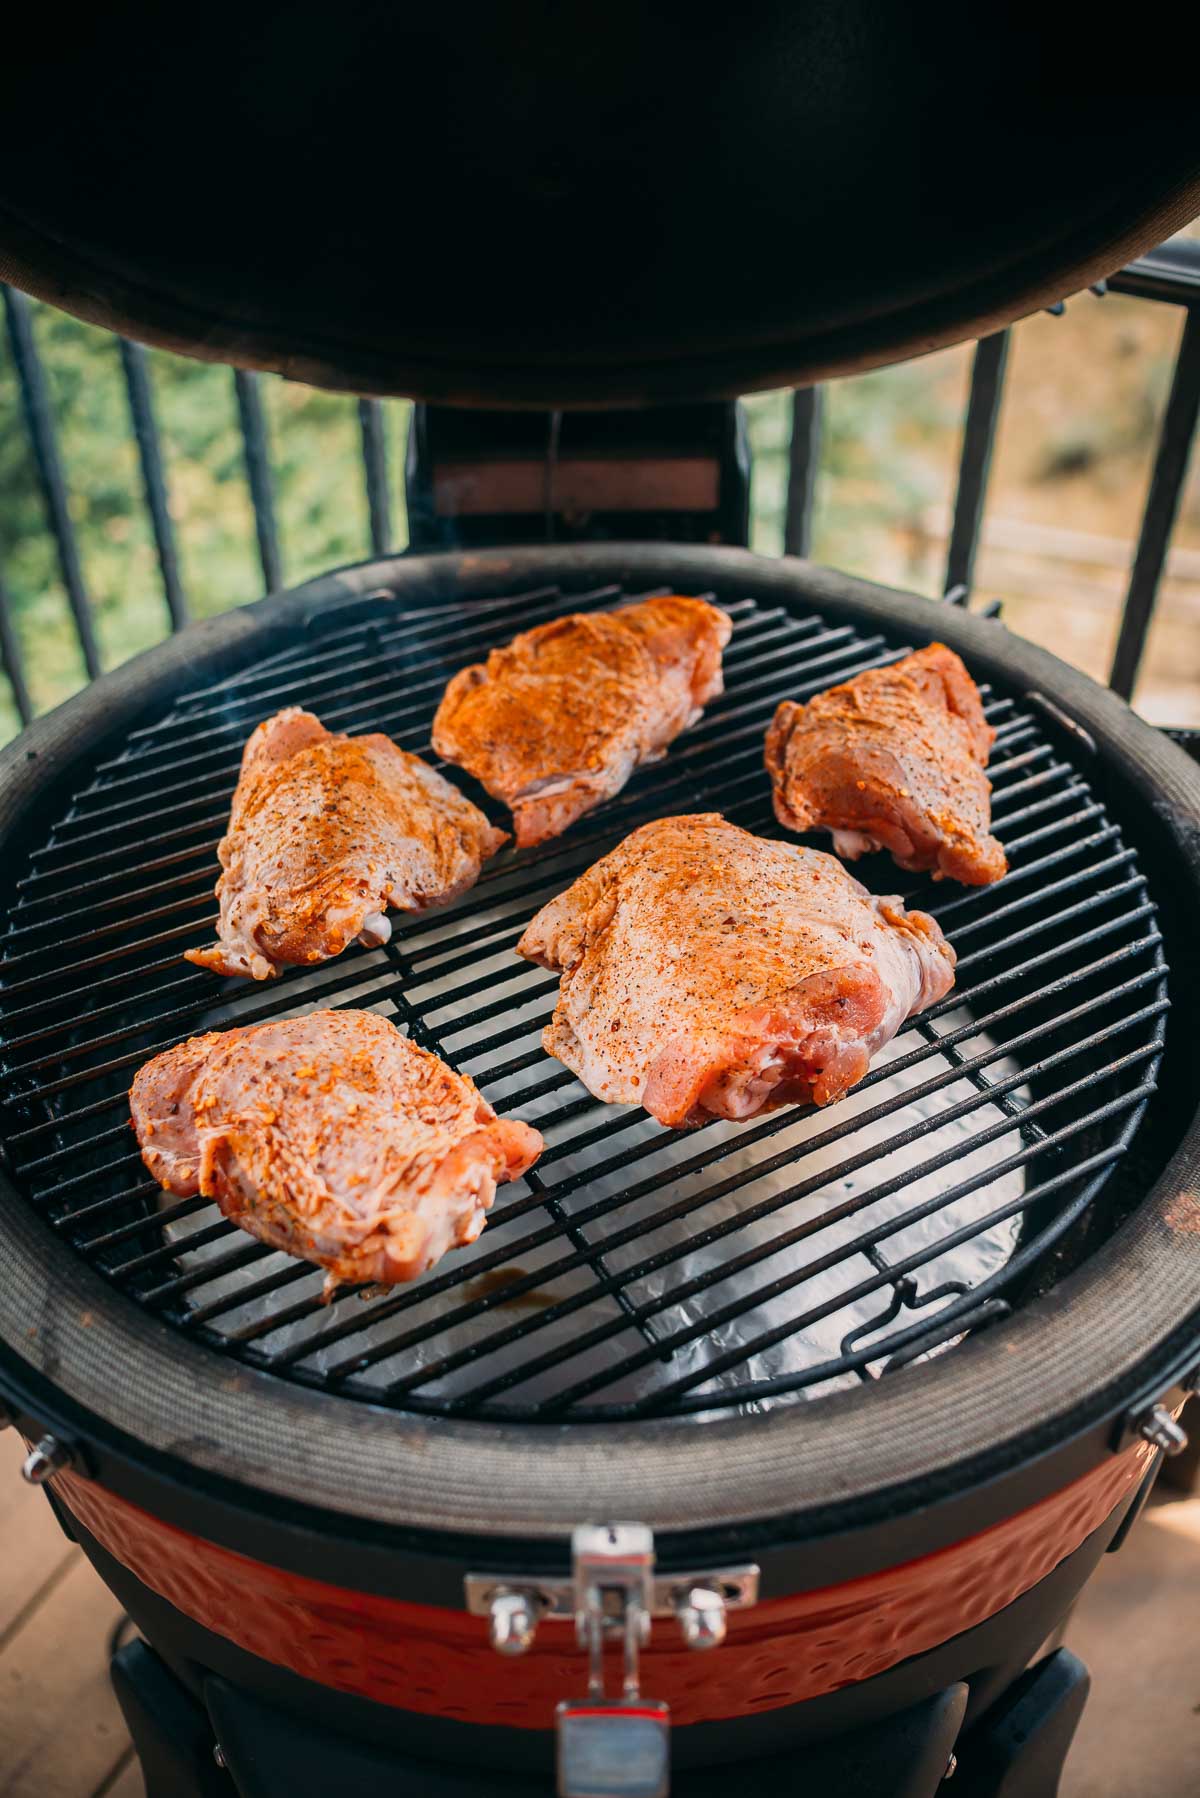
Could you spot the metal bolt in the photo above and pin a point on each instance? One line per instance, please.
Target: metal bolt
(1157, 1426)
(47, 1458)
(951, 1767)
(701, 1614)
(219, 1757)
(513, 1616)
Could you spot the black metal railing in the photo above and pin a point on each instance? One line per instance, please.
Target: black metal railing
(37, 411)
(1169, 275)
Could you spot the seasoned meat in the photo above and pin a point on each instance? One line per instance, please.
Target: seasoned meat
(557, 722)
(895, 760)
(327, 832)
(331, 1137)
(710, 973)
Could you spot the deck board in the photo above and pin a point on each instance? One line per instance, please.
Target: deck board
(35, 1552)
(57, 1707)
(62, 1734)
(127, 1782)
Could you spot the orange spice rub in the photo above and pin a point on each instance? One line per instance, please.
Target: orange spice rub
(894, 759)
(332, 1137)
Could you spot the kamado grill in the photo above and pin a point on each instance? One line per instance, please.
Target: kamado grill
(803, 1434)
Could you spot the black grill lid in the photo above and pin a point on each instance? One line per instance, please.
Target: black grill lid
(531, 204)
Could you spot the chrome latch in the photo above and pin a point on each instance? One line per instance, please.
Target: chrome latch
(612, 1747)
(614, 1593)
(515, 1605)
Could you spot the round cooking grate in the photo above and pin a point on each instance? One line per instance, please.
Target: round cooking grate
(635, 1271)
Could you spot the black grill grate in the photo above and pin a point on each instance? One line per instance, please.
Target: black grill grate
(634, 1271)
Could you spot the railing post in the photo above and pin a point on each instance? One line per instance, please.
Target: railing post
(975, 463)
(14, 662)
(1162, 504)
(804, 454)
(258, 475)
(145, 429)
(39, 419)
(375, 474)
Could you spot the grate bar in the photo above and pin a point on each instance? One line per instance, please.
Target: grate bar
(237, 715)
(74, 1150)
(109, 903)
(708, 1158)
(105, 984)
(167, 1214)
(1097, 1165)
(159, 861)
(766, 1339)
(788, 1239)
(283, 999)
(430, 660)
(728, 1270)
(176, 934)
(1054, 1031)
(151, 914)
(101, 883)
(415, 739)
(309, 658)
(216, 822)
(381, 690)
(533, 1181)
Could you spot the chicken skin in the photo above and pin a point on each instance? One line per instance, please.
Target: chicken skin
(557, 722)
(895, 760)
(326, 832)
(332, 1137)
(709, 973)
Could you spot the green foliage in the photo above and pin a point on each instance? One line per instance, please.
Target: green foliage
(888, 449)
(320, 500)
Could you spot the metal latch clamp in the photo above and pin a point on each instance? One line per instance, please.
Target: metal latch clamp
(700, 1599)
(612, 1748)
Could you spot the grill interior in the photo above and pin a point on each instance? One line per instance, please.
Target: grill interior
(635, 1271)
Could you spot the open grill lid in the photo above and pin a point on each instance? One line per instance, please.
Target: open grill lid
(534, 205)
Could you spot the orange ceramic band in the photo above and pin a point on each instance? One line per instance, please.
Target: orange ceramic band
(438, 1662)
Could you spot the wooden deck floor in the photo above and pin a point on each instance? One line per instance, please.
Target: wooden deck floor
(62, 1736)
